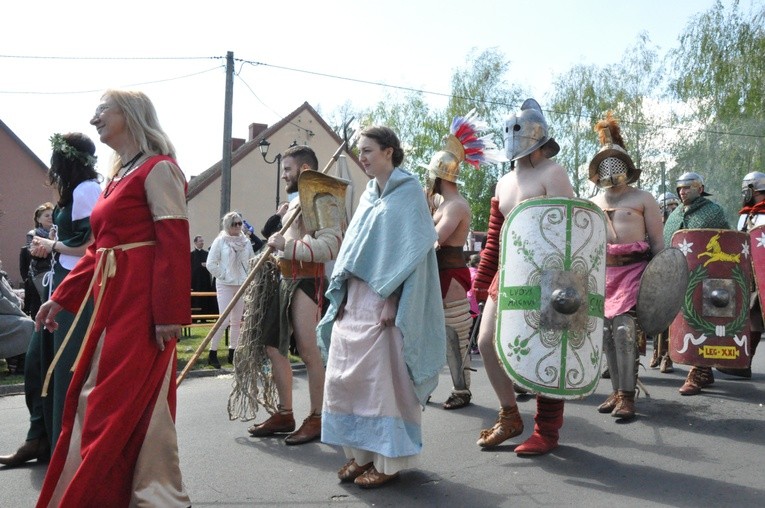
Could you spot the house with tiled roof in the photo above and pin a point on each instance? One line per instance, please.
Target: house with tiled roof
(256, 185)
(23, 187)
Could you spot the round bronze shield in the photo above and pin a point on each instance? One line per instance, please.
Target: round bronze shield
(662, 288)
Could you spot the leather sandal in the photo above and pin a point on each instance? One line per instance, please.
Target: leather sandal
(372, 478)
(351, 470)
(509, 424)
(609, 404)
(457, 400)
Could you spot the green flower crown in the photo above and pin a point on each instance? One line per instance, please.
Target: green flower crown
(61, 146)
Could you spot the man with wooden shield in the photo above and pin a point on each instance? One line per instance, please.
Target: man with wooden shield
(542, 276)
(715, 311)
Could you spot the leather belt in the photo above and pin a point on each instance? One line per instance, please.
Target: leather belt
(300, 269)
(627, 259)
(450, 257)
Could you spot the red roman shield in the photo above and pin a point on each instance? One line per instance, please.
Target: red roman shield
(712, 328)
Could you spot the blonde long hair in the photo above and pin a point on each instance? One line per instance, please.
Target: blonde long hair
(142, 124)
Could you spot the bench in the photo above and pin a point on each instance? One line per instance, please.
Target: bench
(198, 320)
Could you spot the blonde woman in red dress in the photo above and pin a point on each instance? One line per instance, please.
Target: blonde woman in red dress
(118, 444)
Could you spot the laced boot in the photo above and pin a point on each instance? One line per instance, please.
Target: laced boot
(609, 404)
(625, 405)
(308, 431)
(698, 378)
(655, 359)
(547, 422)
(231, 356)
(280, 422)
(509, 424)
(666, 365)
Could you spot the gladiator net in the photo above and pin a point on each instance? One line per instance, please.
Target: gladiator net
(253, 384)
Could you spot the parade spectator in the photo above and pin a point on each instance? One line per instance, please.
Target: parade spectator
(15, 327)
(201, 280)
(228, 262)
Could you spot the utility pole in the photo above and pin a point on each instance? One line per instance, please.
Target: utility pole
(662, 165)
(225, 171)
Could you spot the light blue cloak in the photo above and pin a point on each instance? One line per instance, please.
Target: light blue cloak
(390, 246)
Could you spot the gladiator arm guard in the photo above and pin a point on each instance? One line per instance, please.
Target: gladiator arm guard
(321, 247)
(489, 264)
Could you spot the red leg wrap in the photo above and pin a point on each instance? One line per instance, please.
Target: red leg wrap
(489, 264)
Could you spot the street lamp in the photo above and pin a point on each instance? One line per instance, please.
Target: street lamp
(263, 146)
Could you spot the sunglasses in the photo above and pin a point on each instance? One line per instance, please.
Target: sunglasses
(234, 224)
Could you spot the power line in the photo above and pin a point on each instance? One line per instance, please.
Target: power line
(76, 92)
(308, 131)
(488, 102)
(32, 57)
(334, 76)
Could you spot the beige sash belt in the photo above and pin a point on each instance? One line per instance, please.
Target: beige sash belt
(105, 269)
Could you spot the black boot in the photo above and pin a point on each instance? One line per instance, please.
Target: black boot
(213, 359)
(231, 356)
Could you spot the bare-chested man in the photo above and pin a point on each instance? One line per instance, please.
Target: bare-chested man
(302, 255)
(528, 143)
(632, 217)
(452, 215)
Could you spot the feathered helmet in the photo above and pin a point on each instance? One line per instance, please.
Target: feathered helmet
(463, 143)
(612, 165)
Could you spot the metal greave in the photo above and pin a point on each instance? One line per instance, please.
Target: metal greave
(624, 333)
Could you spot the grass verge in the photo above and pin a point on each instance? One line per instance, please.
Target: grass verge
(185, 348)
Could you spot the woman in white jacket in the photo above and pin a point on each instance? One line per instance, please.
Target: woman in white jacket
(228, 261)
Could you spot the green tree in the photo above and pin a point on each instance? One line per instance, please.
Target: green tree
(480, 85)
(633, 85)
(719, 75)
(416, 125)
(572, 109)
(584, 94)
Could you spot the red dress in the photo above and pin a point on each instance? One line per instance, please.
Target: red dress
(118, 444)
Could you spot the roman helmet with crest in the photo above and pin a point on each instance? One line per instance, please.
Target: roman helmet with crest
(612, 165)
(463, 144)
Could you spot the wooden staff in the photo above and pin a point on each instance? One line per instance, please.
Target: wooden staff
(295, 214)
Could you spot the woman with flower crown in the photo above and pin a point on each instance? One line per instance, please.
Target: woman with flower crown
(73, 174)
(118, 444)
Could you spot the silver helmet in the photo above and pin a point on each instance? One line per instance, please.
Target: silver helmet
(526, 131)
(754, 180)
(692, 180)
(668, 199)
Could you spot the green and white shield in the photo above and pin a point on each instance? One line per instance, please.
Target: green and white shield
(551, 296)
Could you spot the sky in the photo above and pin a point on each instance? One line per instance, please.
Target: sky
(57, 58)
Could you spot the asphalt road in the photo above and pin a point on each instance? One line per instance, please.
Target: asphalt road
(706, 450)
